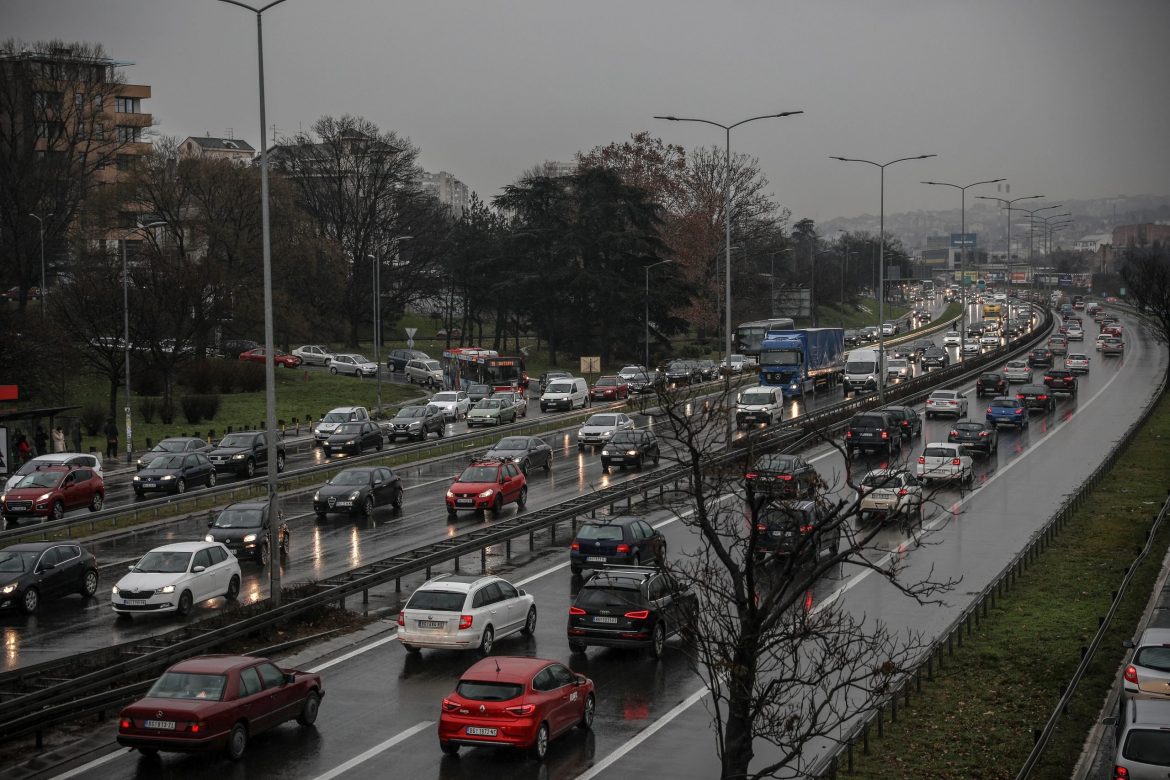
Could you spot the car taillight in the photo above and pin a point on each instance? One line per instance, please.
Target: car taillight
(984, 433)
(1120, 773)
(575, 547)
(1019, 411)
(903, 491)
(1041, 398)
(848, 434)
(921, 459)
(955, 462)
(401, 618)
(750, 475)
(806, 529)
(885, 434)
(1047, 379)
(989, 410)
(195, 728)
(638, 614)
(576, 611)
(449, 706)
(465, 621)
(953, 432)
(786, 477)
(1020, 396)
(127, 723)
(623, 548)
(521, 710)
(1131, 674)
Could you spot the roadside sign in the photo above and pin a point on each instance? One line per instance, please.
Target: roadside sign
(9, 392)
(591, 365)
(410, 337)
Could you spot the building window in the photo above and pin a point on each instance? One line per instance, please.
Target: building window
(126, 105)
(127, 133)
(50, 130)
(48, 101)
(127, 220)
(126, 161)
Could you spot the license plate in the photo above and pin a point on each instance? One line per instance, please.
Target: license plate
(18, 508)
(149, 484)
(431, 624)
(870, 435)
(481, 731)
(880, 504)
(344, 503)
(596, 559)
(465, 501)
(160, 724)
(605, 620)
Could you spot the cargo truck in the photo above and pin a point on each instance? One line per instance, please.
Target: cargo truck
(801, 360)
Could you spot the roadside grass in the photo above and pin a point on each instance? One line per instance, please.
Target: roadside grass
(864, 313)
(977, 719)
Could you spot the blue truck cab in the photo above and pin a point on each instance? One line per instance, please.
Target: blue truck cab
(801, 360)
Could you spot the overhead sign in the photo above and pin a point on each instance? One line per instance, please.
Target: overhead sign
(960, 240)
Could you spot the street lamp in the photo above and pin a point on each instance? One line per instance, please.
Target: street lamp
(881, 291)
(727, 225)
(126, 342)
(963, 248)
(376, 270)
(646, 365)
(41, 228)
(772, 281)
(1031, 224)
(1008, 209)
(269, 339)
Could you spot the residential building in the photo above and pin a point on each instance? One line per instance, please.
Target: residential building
(448, 190)
(1139, 235)
(232, 149)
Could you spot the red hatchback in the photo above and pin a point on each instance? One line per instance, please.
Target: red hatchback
(487, 485)
(218, 702)
(47, 492)
(281, 359)
(521, 703)
(609, 388)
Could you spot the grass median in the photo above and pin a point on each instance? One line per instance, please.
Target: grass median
(977, 719)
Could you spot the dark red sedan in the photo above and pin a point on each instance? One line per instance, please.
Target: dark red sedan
(218, 702)
(521, 703)
(281, 359)
(610, 388)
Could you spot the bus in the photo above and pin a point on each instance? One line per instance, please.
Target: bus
(928, 289)
(749, 337)
(466, 366)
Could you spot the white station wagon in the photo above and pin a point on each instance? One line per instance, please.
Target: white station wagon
(944, 461)
(460, 612)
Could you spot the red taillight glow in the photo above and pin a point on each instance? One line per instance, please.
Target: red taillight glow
(576, 611)
(751, 475)
(786, 477)
(196, 728)
(575, 547)
(989, 410)
(465, 621)
(402, 618)
(638, 614)
(761, 528)
(955, 462)
(921, 460)
(449, 706)
(903, 491)
(1131, 674)
(848, 434)
(1047, 379)
(126, 723)
(984, 433)
(806, 529)
(885, 434)
(954, 432)
(623, 549)
(1042, 398)
(521, 710)
(1120, 773)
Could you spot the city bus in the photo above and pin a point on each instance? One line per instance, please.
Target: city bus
(466, 366)
(749, 337)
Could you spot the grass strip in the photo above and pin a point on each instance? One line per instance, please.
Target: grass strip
(977, 719)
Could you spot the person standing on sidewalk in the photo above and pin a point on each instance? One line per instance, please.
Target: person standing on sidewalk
(111, 432)
(42, 441)
(58, 439)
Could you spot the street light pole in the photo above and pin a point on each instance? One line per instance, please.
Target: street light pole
(963, 249)
(646, 365)
(128, 409)
(41, 230)
(1008, 209)
(881, 291)
(727, 230)
(376, 272)
(269, 338)
(1031, 226)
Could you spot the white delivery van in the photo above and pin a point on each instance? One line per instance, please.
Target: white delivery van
(863, 371)
(567, 393)
(763, 404)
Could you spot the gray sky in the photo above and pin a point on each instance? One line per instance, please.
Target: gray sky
(1065, 98)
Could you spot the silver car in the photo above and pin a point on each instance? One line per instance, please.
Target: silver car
(1143, 740)
(1017, 371)
(1148, 670)
(598, 428)
(518, 400)
(354, 365)
(454, 403)
(314, 355)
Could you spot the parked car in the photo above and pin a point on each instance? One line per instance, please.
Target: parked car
(514, 702)
(415, 422)
(944, 461)
(233, 348)
(218, 702)
(243, 451)
(615, 540)
(172, 446)
(175, 577)
(48, 492)
(174, 473)
(454, 403)
(479, 392)
(353, 365)
(314, 354)
(71, 459)
(1008, 411)
(1017, 371)
(280, 358)
(1147, 675)
(975, 436)
(243, 529)
(781, 475)
(525, 451)
(353, 438)
(487, 485)
(950, 402)
(34, 571)
(991, 383)
(800, 530)
(398, 358)
(630, 448)
(630, 607)
(609, 388)
(887, 493)
(462, 612)
(597, 430)
(491, 411)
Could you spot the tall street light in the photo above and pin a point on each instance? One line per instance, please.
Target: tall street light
(126, 342)
(646, 365)
(727, 228)
(376, 269)
(1008, 211)
(269, 340)
(963, 247)
(772, 281)
(41, 227)
(1031, 224)
(881, 291)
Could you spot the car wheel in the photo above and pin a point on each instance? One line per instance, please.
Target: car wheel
(211, 478)
(185, 602)
(233, 591)
(89, 584)
(576, 646)
(586, 721)
(31, 601)
(250, 468)
(523, 498)
(310, 708)
(524, 467)
(529, 622)
(658, 640)
(539, 747)
(237, 742)
(368, 506)
(498, 506)
(280, 461)
(285, 545)
(412, 649)
(487, 641)
(449, 748)
(378, 446)
(333, 370)
(548, 463)
(58, 510)
(181, 486)
(396, 502)
(263, 557)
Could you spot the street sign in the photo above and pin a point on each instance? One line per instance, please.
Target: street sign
(410, 337)
(960, 240)
(591, 365)
(9, 392)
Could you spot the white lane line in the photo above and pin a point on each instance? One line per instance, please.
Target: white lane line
(93, 764)
(353, 653)
(375, 750)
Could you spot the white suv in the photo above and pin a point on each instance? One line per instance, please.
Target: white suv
(336, 417)
(56, 459)
(944, 461)
(952, 339)
(460, 612)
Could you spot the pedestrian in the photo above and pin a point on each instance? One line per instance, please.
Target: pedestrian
(58, 439)
(23, 448)
(42, 441)
(111, 432)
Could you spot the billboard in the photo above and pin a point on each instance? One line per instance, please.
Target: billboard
(792, 302)
(960, 240)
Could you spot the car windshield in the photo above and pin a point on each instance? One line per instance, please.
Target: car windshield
(775, 463)
(943, 395)
(600, 532)
(186, 685)
(561, 387)
(351, 477)
(488, 691)
(898, 364)
(512, 443)
(177, 445)
(859, 367)
(337, 417)
(163, 562)
(757, 398)
(349, 429)
(489, 403)
(479, 474)
(867, 421)
(624, 439)
(1148, 746)
(166, 462)
(13, 561)
(609, 597)
(437, 600)
(238, 439)
(969, 427)
(602, 420)
(41, 479)
(412, 411)
(880, 479)
(432, 365)
(1005, 403)
(606, 381)
(1017, 364)
(479, 389)
(240, 518)
(445, 398)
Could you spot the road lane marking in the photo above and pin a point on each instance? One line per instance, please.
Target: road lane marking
(353, 653)
(375, 750)
(93, 764)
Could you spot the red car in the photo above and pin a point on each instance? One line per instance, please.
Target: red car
(47, 492)
(520, 703)
(609, 388)
(218, 702)
(281, 359)
(487, 484)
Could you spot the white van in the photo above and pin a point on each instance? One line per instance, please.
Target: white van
(862, 371)
(567, 393)
(763, 404)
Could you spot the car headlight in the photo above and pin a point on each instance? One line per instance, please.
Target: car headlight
(631, 453)
(168, 476)
(605, 452)
(167, 589)
(240, 456)
(450, 494)
(8, 588)
(114, 590)
(355, 495)
(416, 425)
(137, 478)
(606, 434)
(44, 497)
(209, 538)
(316, 497)
(250, 538)
(487, 493)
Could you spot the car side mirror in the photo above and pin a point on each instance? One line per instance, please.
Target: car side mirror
(578, 681)
(198, 569)
(521, 592)
(1109, 721)
(48, 566)
(1128, 643)
(210, 522)
(289, 678)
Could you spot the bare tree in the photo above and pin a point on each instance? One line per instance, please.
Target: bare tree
(1146, 271)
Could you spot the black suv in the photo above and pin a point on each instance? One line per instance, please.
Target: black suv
(243, 451)
(878, 430)
(681, 372)
(908, 420)
(935, 357)
(415, 422)
(1060, 380)
(852, 338)
(398, 358)
(992, 384)
(243, 529)
(1040, 358)
(630, 607)
(801, 529)
(1036, 397)
(973, 435)
(477, 393)
(780, 475)
(615, 540)
(630, 447)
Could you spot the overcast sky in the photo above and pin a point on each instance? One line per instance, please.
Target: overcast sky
(1065, 98)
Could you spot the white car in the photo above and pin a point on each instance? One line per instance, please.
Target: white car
(738, 363)
(952, 338)
(176, 577)
(1075, 333)
(335, 417)
(516, 399)
(944, 461)
(454, 403)
(314, 355)
(1017, 371)
(1100, 340)
(354, 365)
(889, 329)
(989, 340)
(889, 493)
(946, 402)
(972, 347)
(1077, 362)
(464, 612)
(599, 427)
(898, 369)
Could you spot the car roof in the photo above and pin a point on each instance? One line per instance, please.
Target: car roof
(619, 520)
(35, 546)
(462, 583)
(253, 504)
(505, 668)
(215, 664)
(183, 547)
(1155, 636)
(1150, 712)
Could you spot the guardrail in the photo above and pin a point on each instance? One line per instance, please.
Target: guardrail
(964, 624)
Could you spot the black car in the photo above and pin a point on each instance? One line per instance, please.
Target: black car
(526, 451)
(638, 607)
(991, 383)
(175, 444)
(852, 338)
(1060, 380)
(640, 383)
(243, 451)
(1040, 358)
(902, 351)
(869, 333)
(415, 422)
(632, 448)
(398, 358)
(877, 430)
(975, 436)
(935, 357)
(680, 372)
(353, 438)
(785, 529)
(552, 376)
(38, 570)
(781, 475)
(909, 421)
(358, 491)
(243, 529)
(479, 392)
(174, 473)
(615, 540)
(1036, 397)
(707, 369)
